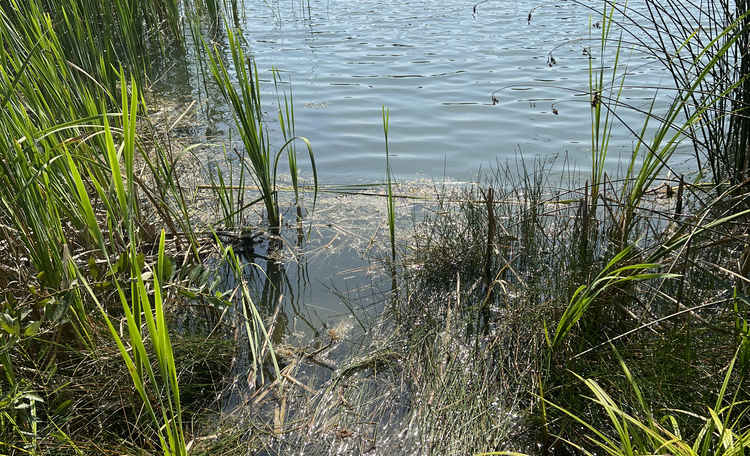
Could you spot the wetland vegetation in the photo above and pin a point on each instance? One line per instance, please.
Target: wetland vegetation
(532, 311)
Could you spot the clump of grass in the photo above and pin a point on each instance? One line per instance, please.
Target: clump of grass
(687, 251)
(85, 399)
(673, 343)
(71, 207)
(97, 39)
(721, 429)
(259, 159)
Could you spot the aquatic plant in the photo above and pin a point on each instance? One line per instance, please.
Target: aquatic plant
(585, 295)
(614, 216)
(700, 46)
(97, 38)
(680, 121)
(259, 159)
(722, 430)
(166, 413)
(68, 205)
(489, 268)
(391, 201)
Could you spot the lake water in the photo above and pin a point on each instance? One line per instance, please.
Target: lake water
(436, 65)
(467, 86)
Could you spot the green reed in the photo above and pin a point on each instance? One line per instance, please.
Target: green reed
(167, 412)
(63, 186)
(635, 238)
(260, 159)
(389, 187)
(654, 156)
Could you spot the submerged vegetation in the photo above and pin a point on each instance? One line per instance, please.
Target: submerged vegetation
(597, 313)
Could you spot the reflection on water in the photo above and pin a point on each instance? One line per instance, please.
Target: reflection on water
(317, 286)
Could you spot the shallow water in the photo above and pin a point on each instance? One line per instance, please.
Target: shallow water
(467, 86)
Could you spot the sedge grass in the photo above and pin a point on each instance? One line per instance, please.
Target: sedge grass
(723, 429)
(139, 305)
(700, 47)
(684, 248)
(169, 424)
(680, 121)
(585, 295)
(121, 34)
(60, 168)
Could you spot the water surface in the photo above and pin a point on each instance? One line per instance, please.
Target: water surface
(465, 84)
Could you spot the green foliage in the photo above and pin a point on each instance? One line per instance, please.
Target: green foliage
(389, 188)
(723, 431)
(97, 38)
(650, 157)
(169, 424)
(609, 278)
(139, 304)
(61, 178)
(621, 303)
(19, 413)
(260, 161)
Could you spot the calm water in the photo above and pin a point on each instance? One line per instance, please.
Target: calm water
(436, 65)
